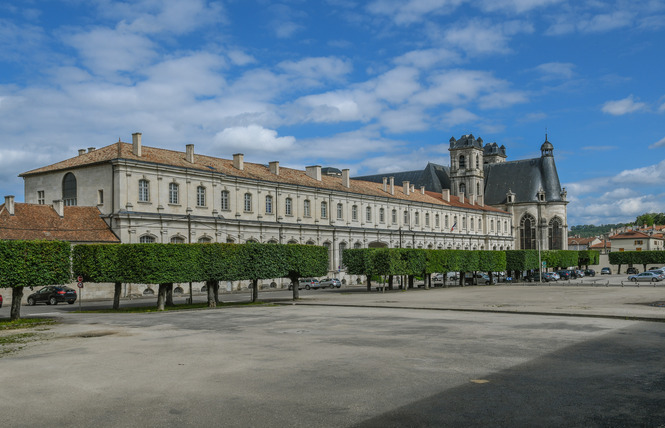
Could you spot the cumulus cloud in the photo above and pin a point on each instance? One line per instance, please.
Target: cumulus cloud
(313, 71)
(659, 143)
(253, 138)
(624, 106)
(556, 70)
(481, 37)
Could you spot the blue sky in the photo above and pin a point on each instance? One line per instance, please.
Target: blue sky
(374, 86)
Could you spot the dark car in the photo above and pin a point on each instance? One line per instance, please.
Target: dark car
(565, 274)
(632, 271)
(534, 277)
(589, 272)
(606, 271)
(52, 295)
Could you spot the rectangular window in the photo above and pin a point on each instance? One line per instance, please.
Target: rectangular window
(369, 215)
(40, 197)
(406, 217)
(394, 217)
(225, 200)
(173, 193)
(100, 197)
(268, 204)
(426, 219)
(248, 202)
(324, 210)
(144, 191)
(306, 210)
(201, 196)
(288, 206)
(340, 211)
(354, 213)
(382, 215)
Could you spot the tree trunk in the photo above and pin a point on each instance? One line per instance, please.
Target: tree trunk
(390, 282)
(369, 282)
(210, 286)
(294, 286)
(17, 296)
(116, 295)
(428, 281)
(461, 279)
(161, 297)
(255, 290)
(216, 285)
(169, 294)
(411, 278)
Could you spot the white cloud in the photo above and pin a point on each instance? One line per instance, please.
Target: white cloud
(316, 70)
(652, 174)
(411, 11)
(556, 70)
(624, 106)
(404, 120)
(427, 58)
(253, 138)
(518, 6)
(661, 109)
(397, 85)
(457, 117)
(599, 148)
(482, 37)
(659, 143)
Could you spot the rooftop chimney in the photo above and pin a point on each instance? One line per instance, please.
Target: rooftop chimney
(445, 194)
(274, 167)
(189, 148)
(91, 149)
(422, 190)
(59, 207)
(407, 188)
(480, 200)
(472, 199)
(9, 204)
(461, 197)
(413, 188)
(136, 144)
(385, 184)
(81, 152)
(239, 161)
(313, 172)
(346, 182)
(392, 186)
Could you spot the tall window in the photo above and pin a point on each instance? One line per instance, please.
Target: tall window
(368, 214)
(471, 223)
(200, 196)
(268, 204)
(491, 225)
(528, 233)
(342, 247)
(324, 209)
(437, 221)
(225, 200)
(406, 217)
(394, 217)
(477, 161)
(147, 239)
(462, 162)
(382, 215)
(426, 219)
(340, 211)
(480, 225)
(354, 213)
(463, 222)
(555, 234)
(69, 189)
(248, 202)
(306, 212)
(446, 222)
(173, 193)
(417, 218)
(144, 191)
(40, 197)
(477, 189)
(288, 206)
(462, 189)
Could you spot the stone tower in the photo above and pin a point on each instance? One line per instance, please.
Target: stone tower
(467, 178)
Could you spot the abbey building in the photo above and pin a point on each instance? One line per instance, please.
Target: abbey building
(148, 194)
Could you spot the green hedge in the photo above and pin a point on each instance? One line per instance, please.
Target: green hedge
(34, 263)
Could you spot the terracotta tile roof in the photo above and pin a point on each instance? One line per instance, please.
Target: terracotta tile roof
(42, 222)
(601, 245)
(254, 171)
(631, 234)
(580, 241)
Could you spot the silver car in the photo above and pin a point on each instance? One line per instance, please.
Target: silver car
(648, 276)
(330, 282)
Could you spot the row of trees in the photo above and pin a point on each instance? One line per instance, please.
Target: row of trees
(423, 262)
(31, 263)
(643, 258)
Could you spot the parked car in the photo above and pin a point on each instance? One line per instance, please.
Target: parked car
(646, 277)
(308, 283)
(606, 271)
(551, 276)
(632, 271)
(565, 274)
(533, 277)
(481, 278)
(0, 300)
(579, 273)
(589, 272)
(330, 282)
(52, 295)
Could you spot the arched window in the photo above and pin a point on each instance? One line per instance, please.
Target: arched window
(204, 240)
(436, 221)
(394, 217)
(462, 189)
(144, 191)
(177, 240)
(147, 239)
(200, 196)
(555, 234)
(268, 204)
(248, 202)
(357, 245)
(491, 225)
(69, 189)
(324, 209)
(446, 223)
(417, 218)
(480, 225)
(174, 193)
(528, 233)
(288, 206)
(426, 219)
(477, 189)
(225, 200)
(462, 162)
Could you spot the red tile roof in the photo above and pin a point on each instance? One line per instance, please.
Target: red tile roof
(580, 241)
(255, 171)
(42, 222)
(631, 234)
(601, 245)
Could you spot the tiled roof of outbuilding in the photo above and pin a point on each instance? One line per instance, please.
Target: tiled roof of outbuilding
(254, 171)
(42, 222)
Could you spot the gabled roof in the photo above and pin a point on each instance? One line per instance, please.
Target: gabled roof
(601, 245)
(631, 234)
(581, 241)
(123, 151)
(42, 222)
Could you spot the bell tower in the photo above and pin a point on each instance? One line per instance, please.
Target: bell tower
(466, 167)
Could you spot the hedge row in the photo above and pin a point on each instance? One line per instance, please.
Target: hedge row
(637, 257)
